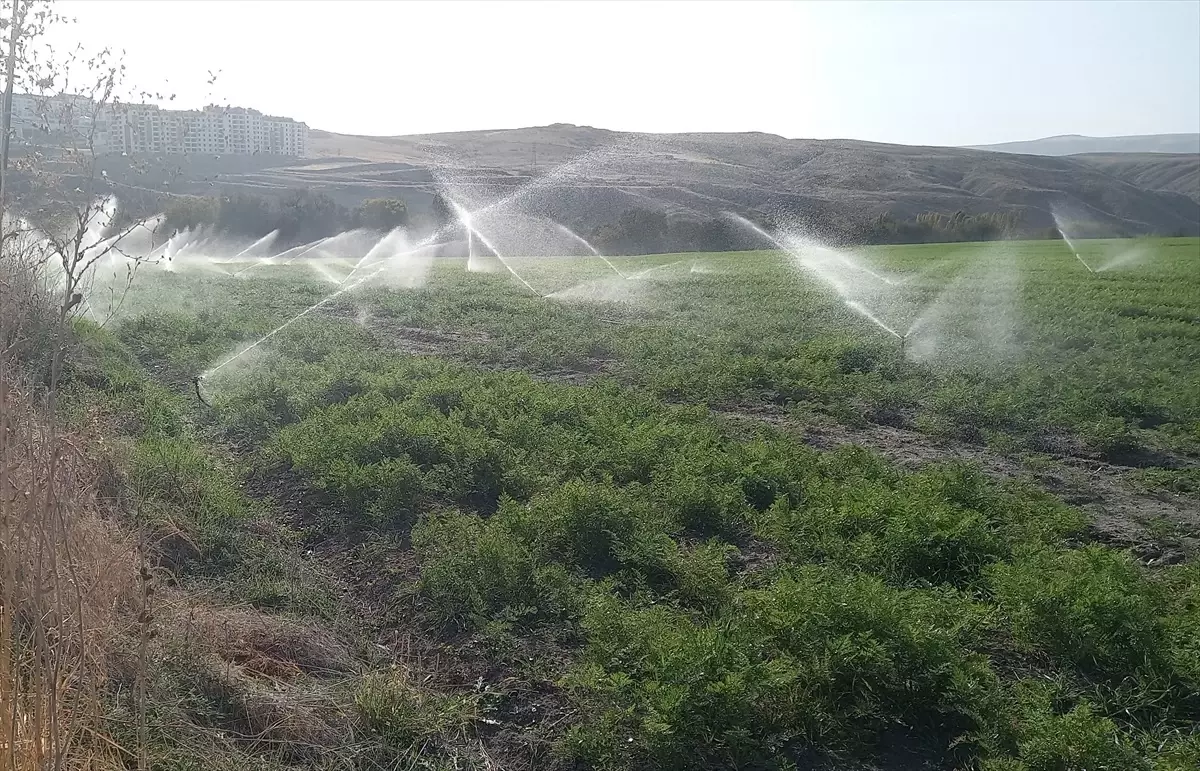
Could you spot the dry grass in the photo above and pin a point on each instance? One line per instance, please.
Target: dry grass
(103, 668)
(269, 646)
(69, 578)
(283, 684)
(68, 587)
(27, 303)
(81, 627)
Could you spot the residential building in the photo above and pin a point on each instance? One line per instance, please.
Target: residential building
(64, 118)
(214, 130)
(147, 128)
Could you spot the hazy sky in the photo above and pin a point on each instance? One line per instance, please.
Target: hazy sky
(910, 72)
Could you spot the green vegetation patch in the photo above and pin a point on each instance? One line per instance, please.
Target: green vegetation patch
(697, 592)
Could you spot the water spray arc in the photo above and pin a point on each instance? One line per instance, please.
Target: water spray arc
(260, 261)
(973, 318)
(289, 322)
(643, 273)
(301, 250)
(396, 238)
(595, 252)
(823, 270)
(464, 217)
(554, 177)
(268, 238)
(1058, 225)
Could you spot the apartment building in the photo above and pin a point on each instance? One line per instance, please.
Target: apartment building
(63, 116)
(147, 128)
(215, 130)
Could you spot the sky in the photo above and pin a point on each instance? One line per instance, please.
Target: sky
(930, 73)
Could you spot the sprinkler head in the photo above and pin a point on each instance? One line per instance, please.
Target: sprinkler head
(196, 384)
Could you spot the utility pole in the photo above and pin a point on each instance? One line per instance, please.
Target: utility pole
(535, 157)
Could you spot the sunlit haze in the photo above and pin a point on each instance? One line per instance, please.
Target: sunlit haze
(905, 72)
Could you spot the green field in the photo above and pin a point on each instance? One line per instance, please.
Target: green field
(710, 517)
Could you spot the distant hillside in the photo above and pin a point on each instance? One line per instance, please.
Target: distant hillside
(586, 177)
(1153, 171)
(1073, 144)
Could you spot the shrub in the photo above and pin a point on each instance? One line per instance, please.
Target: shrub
(817, 655)
(939, 544)
(404, 716)
(876, 653)
(1090, 607)
(922, 528)
(701, 575)
(1078, 738)
(472, 569)
(700, 499)
(662, 691)
(1111, 437)
(593, 525)
(771, 471)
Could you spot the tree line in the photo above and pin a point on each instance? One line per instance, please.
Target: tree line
(302, 215)
(642, 231)
(299, 216)
(934, 227)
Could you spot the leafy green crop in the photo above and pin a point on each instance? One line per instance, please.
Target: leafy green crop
(707, 590)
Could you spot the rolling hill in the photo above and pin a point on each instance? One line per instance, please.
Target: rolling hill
(1153, 171)
(588, 176)
(1074, 144)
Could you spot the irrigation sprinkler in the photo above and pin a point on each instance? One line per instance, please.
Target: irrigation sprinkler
(199, 396)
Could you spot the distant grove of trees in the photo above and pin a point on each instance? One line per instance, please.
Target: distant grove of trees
(303, 215)
(640, 231)
(933, 227)
(299, 216)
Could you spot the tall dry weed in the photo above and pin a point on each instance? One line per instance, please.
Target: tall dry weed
(68, 576)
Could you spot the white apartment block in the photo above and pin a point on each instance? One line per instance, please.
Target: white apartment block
(147, 128)
(64, 116)
(142, 128)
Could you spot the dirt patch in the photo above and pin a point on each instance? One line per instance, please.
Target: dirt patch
(420, 341)
(454, 345)
(329, 539)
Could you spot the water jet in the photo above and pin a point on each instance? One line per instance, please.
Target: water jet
(1058, 225)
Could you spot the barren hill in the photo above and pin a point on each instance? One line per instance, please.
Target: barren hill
(587, 176)
(1153, 171)
(1074, 144)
